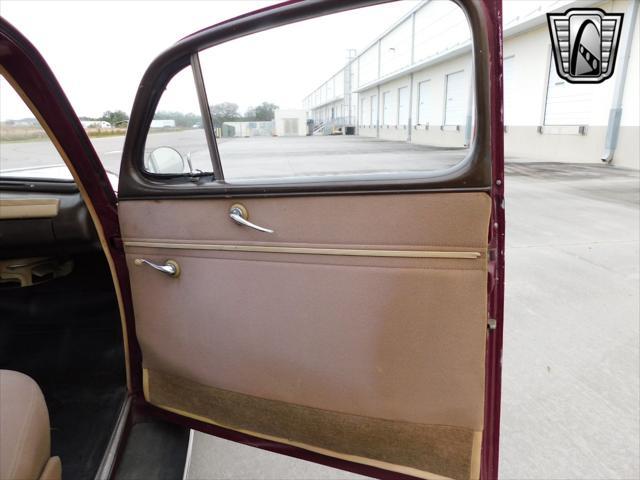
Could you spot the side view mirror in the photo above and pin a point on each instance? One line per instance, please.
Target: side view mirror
(167, 160)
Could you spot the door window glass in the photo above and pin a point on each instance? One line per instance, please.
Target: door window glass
(176, 143)
(288, 108)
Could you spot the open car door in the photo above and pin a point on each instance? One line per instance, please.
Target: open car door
(352, 320)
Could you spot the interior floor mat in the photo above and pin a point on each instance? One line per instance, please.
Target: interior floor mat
(66, 335)
(155, 450)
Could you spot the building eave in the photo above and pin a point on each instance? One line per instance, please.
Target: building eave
(453, 53)
(459, 50)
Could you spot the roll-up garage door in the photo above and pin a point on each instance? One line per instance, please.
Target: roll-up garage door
(567, 103)
(456, 99)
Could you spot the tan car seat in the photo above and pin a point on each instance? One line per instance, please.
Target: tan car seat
(25, 443)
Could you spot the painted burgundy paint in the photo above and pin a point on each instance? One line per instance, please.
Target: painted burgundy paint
(24, 63)
(493, 360)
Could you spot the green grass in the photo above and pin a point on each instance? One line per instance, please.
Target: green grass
(33, 134)
(116, 132)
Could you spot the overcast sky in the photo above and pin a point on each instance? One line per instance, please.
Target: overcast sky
(100, 49)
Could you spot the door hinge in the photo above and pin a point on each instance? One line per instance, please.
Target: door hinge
(492, 324)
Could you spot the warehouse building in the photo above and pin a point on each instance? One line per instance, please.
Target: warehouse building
(414, 83)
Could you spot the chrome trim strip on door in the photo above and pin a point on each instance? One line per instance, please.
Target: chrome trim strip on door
(207, 122)
(187, 463)
(307, 250)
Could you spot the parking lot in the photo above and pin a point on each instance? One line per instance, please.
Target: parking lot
(261, 157)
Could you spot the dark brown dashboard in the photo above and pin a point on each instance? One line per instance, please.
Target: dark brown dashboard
(39, 221)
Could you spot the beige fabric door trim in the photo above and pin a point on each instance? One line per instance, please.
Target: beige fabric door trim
(307, 250)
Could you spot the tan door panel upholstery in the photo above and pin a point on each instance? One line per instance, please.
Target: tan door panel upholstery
(341, 353)
(25, 445)
(431, 219)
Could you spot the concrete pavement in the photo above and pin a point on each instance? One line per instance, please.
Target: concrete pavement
(571, 366)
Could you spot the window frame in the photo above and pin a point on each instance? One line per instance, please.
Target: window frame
(471, 174)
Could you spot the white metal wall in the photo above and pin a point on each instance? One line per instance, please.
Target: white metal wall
(395, 49)
(440, 27)
(542, 111)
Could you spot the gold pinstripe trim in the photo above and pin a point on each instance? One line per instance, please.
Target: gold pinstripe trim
(307, 250)
(145, 384)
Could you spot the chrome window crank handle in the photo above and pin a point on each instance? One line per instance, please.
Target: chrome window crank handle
(238, 214)
(170, 267)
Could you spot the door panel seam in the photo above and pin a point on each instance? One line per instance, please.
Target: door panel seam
(309, 251)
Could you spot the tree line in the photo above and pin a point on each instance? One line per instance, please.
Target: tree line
(220, 113)
(229, 112)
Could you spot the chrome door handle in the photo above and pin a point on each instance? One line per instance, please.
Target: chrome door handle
(170, 267)
(238, 214)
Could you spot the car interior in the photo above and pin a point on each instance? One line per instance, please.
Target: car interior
(60, 321)
(62, 367)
